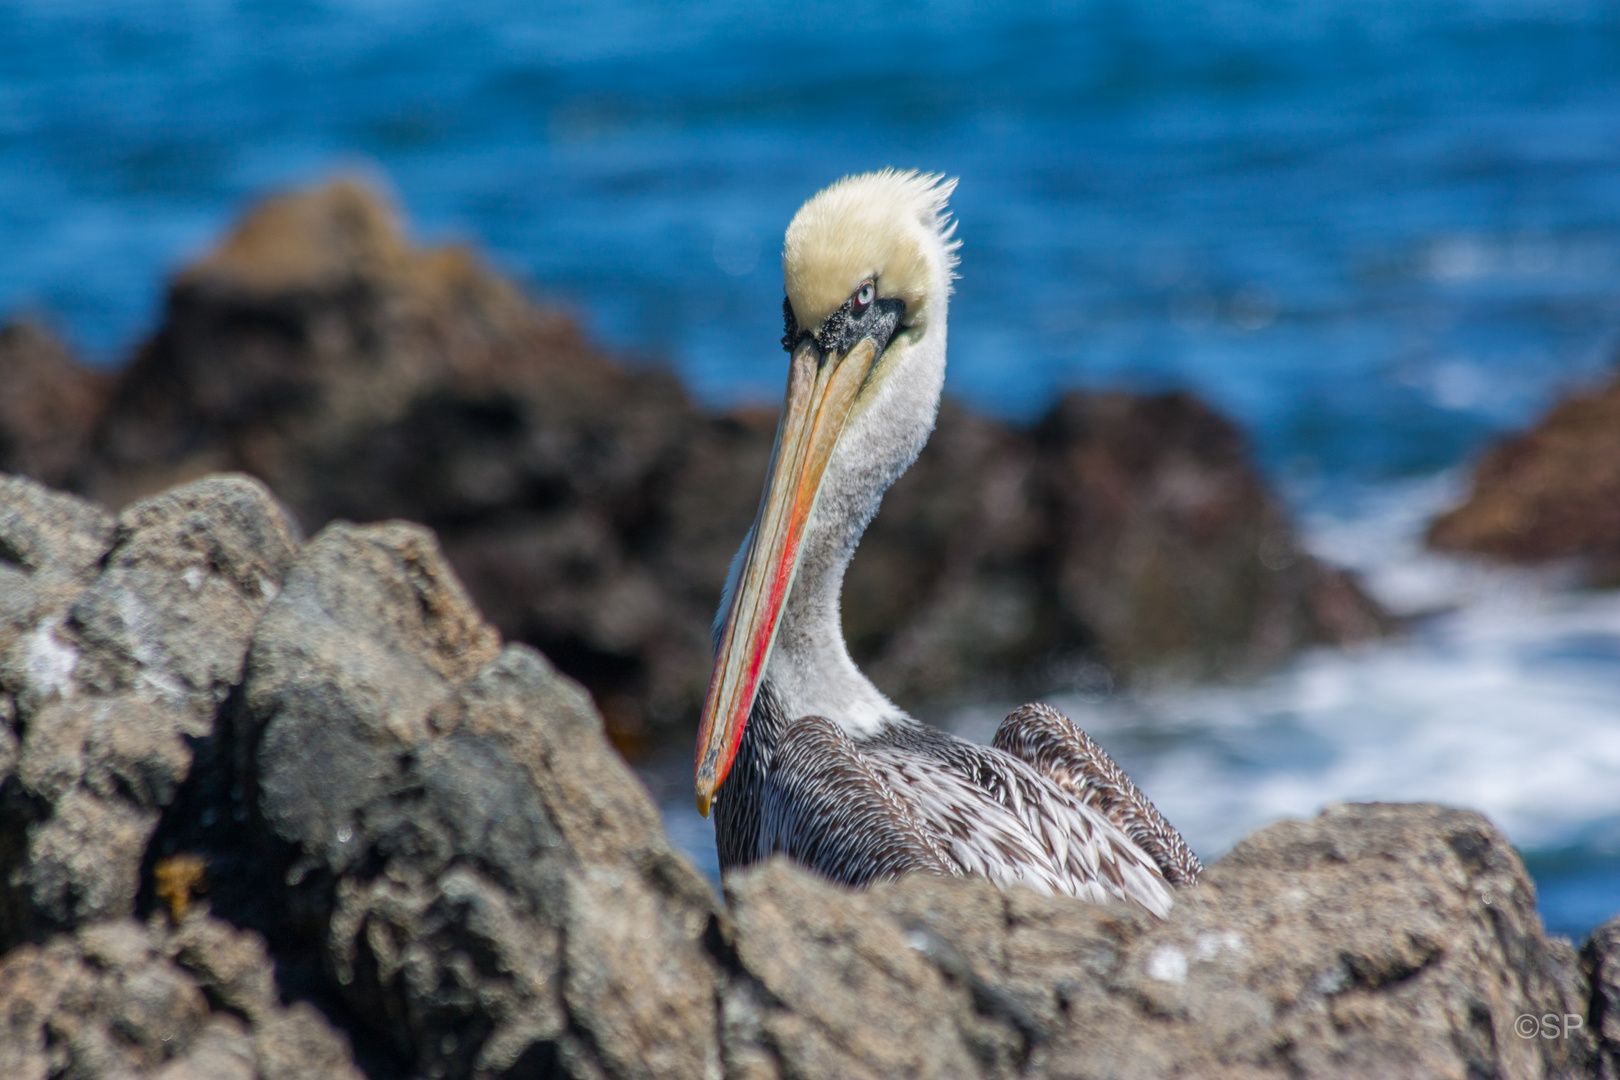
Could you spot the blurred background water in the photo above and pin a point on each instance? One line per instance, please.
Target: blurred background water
(1376, 233)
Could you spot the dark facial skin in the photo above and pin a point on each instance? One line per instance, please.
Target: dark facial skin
(879, 319)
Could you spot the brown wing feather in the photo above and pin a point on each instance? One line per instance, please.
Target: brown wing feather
(1056, 747)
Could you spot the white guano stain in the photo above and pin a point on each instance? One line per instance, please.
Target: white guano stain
(1212, 943)
(269, 588)
(50, 662)
(1167, 964)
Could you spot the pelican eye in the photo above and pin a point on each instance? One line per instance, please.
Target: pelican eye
(864, 315)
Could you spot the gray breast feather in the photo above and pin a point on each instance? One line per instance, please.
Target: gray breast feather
(823, 805)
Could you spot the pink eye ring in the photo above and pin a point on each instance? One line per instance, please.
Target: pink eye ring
(865, 294)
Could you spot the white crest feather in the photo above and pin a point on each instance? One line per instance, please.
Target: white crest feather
(891, 226)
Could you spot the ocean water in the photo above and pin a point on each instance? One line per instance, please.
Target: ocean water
(1376, 232)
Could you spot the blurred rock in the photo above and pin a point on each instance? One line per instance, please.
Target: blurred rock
(1171, 550)
(363, 378)
(593, 510)
(117, 647)
(49, 406)
(122, 1000)
(1123, 537)
(310, 325)
(1552, 492)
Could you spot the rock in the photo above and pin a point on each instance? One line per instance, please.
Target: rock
(1552, 492)
(1125, 531)
(49, 407)
(831, 986)
(1600, 961)
(1383, 941)
(593, 509)
(1170, 549)
(368, 635)
(328, 746)
(123, 999)
(50, 545)
(467, 850)
(180, 594)
(135, 634)
(310, 324)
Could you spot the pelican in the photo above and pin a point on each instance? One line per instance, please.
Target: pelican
(798, 753)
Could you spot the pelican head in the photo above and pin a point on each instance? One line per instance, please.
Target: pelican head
(867, 264)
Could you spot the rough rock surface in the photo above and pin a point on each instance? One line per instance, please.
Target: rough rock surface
(49, 405)
(1387, 941)
(466, 842)
(259, 792)
(192, 1002)
(118, 643)
(1600, 960)
(1551, 492)
(593, 510)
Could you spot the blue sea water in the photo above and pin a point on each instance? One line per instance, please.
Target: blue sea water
(1376, 232)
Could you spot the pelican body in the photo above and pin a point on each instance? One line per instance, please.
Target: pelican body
(798, 753)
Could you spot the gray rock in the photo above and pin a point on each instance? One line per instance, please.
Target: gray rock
(833, 988)
(122, 999)
(1600, 960)
(1384, 941)
(135, 635)
(447, 854)
(370, 632)
(50, 545)
(180, 593)
(492, 890)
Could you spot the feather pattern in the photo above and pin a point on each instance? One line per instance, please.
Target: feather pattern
(827, 770)
(913, 798)
(1059, 750)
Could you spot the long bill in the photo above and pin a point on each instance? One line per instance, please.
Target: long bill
(820, 395)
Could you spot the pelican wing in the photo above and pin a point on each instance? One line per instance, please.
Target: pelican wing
(1056, 747)
(999, 818)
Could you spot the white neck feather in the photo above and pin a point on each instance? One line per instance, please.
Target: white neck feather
(810, 670)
